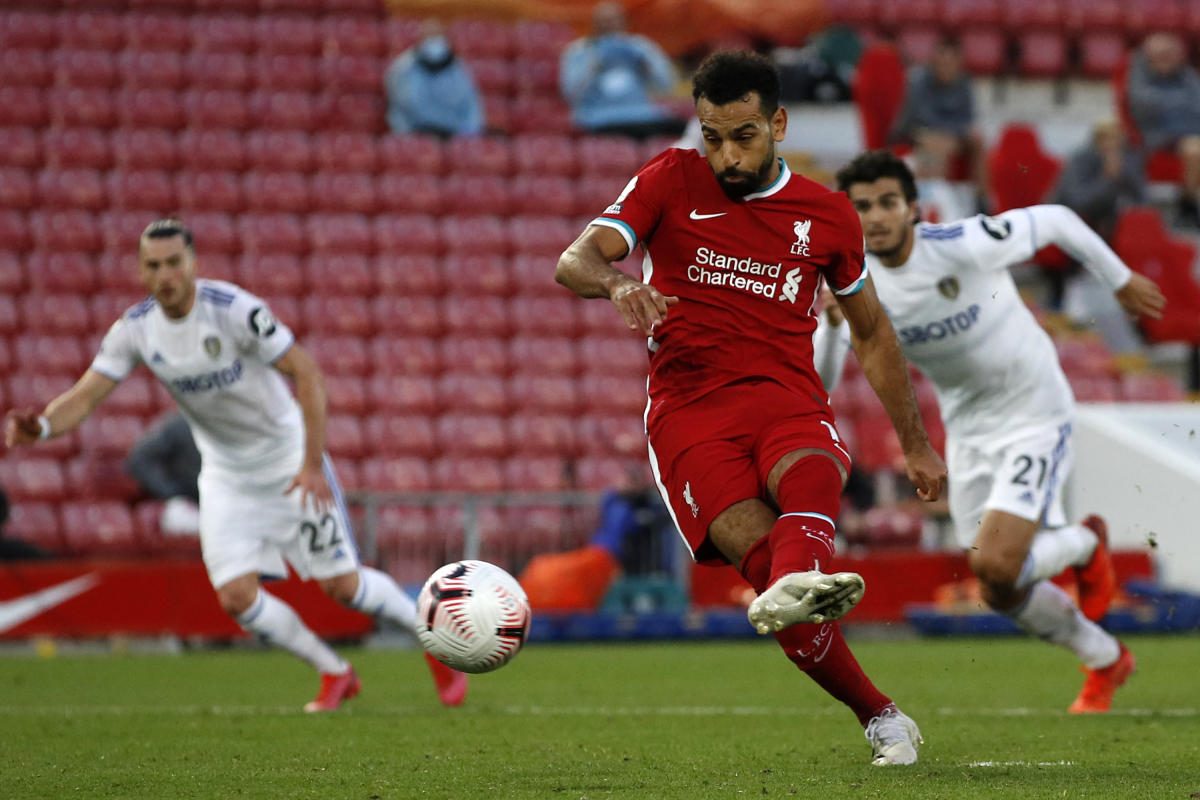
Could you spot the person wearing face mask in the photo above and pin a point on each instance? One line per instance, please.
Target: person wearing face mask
(429, 90)
(609, 77)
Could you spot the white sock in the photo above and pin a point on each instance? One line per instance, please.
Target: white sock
(1050, 614)
(380, 596)
(276, 622)
(1054, 550)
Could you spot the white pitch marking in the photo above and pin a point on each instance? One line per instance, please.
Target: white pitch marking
(1020, 764)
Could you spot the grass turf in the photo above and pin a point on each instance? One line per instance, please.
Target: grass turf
(681, 720)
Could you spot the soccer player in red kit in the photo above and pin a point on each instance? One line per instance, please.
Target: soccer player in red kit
(743, 443)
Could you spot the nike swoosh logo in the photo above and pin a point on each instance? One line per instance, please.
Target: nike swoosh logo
(697, 215)
(22, 609)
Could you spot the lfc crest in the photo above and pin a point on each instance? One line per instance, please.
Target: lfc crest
(801, 228)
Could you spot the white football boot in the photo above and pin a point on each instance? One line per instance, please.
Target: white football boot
(805, 597)
(894, 738)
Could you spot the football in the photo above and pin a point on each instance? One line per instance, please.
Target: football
(472, 616)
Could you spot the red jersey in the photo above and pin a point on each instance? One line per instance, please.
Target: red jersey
(747, 274)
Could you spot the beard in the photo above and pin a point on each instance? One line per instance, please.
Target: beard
(738, 183)
(886, 253)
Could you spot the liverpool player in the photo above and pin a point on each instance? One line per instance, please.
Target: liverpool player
(743, 443)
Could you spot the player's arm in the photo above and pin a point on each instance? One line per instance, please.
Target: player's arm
(586, 269)
(1059, 225)
(298, 365)
(62, 415)
(831, 342)
(884, 365)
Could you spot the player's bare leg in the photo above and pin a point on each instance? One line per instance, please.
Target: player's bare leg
(274, 621)
(376, 593)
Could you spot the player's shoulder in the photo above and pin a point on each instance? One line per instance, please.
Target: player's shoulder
(814, 193)
(937, 232)
(219, 294)
(674, 158)
(139, 310)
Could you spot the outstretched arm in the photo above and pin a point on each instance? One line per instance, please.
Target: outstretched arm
(63, 414)
(298, 365)
(586, 269)
(886, 368)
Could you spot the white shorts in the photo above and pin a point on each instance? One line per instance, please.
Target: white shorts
(1023, 476)
(252, 527)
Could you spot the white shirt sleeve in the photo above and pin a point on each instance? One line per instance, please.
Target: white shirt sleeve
(118, 356)
(255, 329)
(1059, 225)
(830, 347)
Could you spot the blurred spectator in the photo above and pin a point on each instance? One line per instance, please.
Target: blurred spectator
(1164, 101)
(166, 464)
(938, 117)
(15, 549)
(429, 90)
(608, 79)
(1102, 178)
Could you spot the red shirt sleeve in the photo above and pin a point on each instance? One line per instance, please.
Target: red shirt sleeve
(636, 211)
(847, 269)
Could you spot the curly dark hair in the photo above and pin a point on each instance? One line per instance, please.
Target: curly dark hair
(728, 75)
(872, 165)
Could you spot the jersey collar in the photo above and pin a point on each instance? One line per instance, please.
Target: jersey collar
(781, 181)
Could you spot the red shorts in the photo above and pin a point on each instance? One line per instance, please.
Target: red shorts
(718, 451)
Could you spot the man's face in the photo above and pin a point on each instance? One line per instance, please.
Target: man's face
(168, 273)
(946, 64)
(887, 218)
(739, 141)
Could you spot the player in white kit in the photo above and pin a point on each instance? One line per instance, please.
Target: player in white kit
(268, 492)
(1005, 403)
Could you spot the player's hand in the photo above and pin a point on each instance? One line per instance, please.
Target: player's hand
(642, 306)
(1141, 297)
(830, 307)
(313, 487)
(21, 427)
(927, 472)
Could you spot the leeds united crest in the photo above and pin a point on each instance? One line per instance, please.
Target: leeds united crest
(212, 346)
(948, 287)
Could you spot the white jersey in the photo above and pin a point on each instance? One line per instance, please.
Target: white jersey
(217, 364)
(960, 320)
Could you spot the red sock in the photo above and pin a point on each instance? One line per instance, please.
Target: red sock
(810, 494)
(756, 565)
(822, 653)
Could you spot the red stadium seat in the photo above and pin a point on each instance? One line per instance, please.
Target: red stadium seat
(609, 155)
(142, 189)
(37, 524)
(32, 480)
(350, 192)
(215, 149)
(471, 435)
(216, 108)
(100, 476)
(16, 188)
(344, 436)
(28, 29)
(26, 67)
(538, 77)
(1024, 16)
(110, 435)
(221, 71)
(1021, 173)
(411, 355)
(134, 395)
(338, 314)
(400, 435)
(286, 34)
(25, 105)
(537, 194)
(1101, 54)
(87, 30)
(617, 355)
(963, 13)
(341, 355)
(284, 72)
(102, 529)
(106, 306)
(604, 473)
(283, 110)
(144, 148)
(10, 319)
(477, 194)
(494, 77)
(215, 233)
(142, 69)
(1151, 387)
(983, 51)
(486, 274)
(286, 192)
(84, 69)
(916, 44)
(272, 274)
(551, 155)
(483, 38)
(545, 236)
(71, 188)
(476, 316)
(20, 147)
(14, 237)
(536, 474)
(151, 108)
(346, 394)
(479, 155)
(547, 355)
(409, 474)
(407, 316)
(272, 233)
(540, 433)
(55, 314)
(58, 231)
(483, 355)
(1093, 16)
(468, 474)
(474, 234)
(541, 38)
(465, 391)
(61, 272)
(352, 35)
(595, 193)
(613, 394)
(538, 116)
(51, 355)
(556, 316)
(351, 73)
(85, 108)
(343, 151)
(280, 150)
(612, 435)
(351, 111)
(219, 34)
(397, 274)
(402, 394)
(409, 194)
(339, 233)
(340, 273)
(407, 235)
(1043, 54)
(878, 88)
(209, 191)
(537, 392)
(419, 154)
(156, 33)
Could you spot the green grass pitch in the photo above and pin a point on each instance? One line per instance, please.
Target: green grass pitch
(661, 720)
